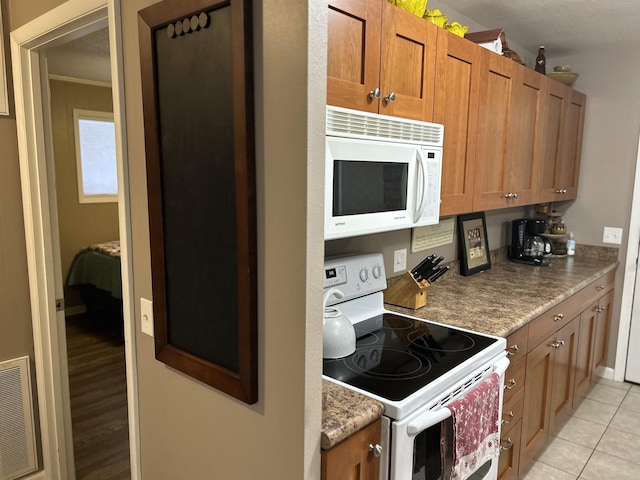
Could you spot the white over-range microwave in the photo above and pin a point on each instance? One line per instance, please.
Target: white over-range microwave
(381, 173)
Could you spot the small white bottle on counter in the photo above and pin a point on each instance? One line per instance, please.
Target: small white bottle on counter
(571, 245)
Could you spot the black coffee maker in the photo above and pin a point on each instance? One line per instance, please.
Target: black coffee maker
(527, 245)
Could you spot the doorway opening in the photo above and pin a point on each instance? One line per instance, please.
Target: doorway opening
(88, 329)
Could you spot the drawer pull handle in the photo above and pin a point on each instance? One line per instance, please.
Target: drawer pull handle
(512, 350)
(599, 309)
(558, 317)
(557, 344)
(509, 420)
(599, 288)
(512, 384)
(376, 449)
(507, 447)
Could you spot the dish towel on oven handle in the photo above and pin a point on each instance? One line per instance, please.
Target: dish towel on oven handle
(476, 434)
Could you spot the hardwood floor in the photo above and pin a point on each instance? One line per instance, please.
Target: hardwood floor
(97, 385)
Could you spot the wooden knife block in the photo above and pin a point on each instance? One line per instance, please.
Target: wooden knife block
(407, 292)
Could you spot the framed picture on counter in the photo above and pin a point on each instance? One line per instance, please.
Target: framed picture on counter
(473, 246)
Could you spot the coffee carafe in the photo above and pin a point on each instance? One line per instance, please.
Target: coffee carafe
(527, 244)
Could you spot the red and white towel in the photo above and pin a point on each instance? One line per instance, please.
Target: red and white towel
(476, 434)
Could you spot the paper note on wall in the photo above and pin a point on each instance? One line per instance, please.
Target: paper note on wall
(423, 238)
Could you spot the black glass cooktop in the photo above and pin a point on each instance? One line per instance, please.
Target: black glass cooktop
(396, 356)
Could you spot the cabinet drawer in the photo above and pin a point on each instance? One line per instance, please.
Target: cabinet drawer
(512, 412)
(517, 344)
(596, 289)
(554, 319)
(513, 380)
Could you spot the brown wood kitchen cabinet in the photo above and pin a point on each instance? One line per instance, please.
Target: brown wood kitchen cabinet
(549, 390)
(456, 107)
(553, 363)
(353, 458)
(562, 134)
(510, 120)
(513, 403)
(380, 59)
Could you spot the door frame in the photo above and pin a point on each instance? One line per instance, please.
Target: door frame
(630, 303)
(71, 19)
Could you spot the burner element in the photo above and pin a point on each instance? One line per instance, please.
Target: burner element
(389, 363)
(456, 342)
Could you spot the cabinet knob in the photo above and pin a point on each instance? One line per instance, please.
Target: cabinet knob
(512, 350)
(507, 446)
(511, 385)
(376, 449)
(561, 191)
(390, 98)
(374, 93)
(558, 317)
(557, 344)
(599, 288)
(508, 420)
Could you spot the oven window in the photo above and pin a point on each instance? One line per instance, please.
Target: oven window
(427, 457)
(433, 455)
(361, 187)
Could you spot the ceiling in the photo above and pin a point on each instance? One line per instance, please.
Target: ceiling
(564, 27)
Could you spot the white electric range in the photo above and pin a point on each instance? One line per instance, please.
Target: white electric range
(414, 367)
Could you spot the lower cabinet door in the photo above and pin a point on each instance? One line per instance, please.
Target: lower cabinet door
(537, 402)
(565, 344)
(586, 339)
(351, 459)
(510, 453)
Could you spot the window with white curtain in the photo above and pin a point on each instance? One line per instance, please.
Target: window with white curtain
(95, 156)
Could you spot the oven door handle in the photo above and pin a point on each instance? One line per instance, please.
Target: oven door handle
(433, 417)
(427, 420)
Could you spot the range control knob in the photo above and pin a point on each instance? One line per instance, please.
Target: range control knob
(376, 271)
(364, 274)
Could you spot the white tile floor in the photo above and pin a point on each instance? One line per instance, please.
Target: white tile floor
(600, 441)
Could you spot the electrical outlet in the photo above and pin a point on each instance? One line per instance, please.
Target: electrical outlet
(612, 235)
(146, 314)
(399, 260)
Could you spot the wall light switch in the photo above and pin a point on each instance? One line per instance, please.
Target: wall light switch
(399, 260)
(146, 314)
(612, 235)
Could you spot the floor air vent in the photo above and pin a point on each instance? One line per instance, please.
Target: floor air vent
(17, 436)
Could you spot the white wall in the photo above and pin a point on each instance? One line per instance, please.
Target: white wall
(610, 79)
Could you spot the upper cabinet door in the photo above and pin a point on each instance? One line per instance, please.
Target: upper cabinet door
(407, 67)
(568, 170)
(509, 134)
(524, 142)
(353, 54)
(563, 126)
(456, 107)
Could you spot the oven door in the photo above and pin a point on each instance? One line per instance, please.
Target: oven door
(417, 440)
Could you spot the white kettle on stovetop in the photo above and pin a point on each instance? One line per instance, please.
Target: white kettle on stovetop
(338, 334)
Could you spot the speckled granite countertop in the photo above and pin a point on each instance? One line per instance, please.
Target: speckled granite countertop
(502, 299)
(497, 301)
(345, 412)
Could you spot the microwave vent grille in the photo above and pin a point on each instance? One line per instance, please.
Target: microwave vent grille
(352, 123)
